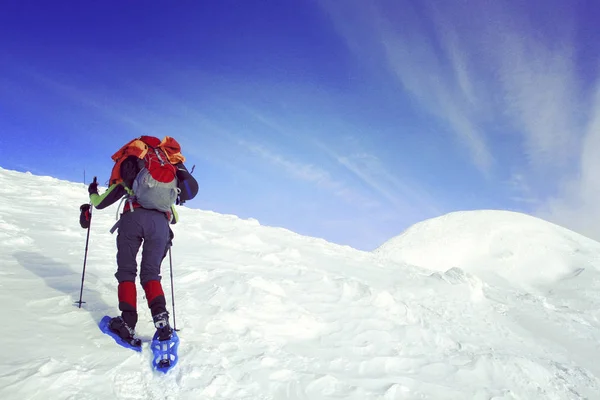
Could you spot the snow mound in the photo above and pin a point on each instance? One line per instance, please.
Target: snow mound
(514, 246)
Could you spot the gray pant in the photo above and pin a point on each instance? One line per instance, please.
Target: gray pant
(151, 227)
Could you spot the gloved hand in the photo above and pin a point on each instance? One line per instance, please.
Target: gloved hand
(85, 216)
(93, 188)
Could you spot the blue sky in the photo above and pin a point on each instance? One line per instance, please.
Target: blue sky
(347, 120)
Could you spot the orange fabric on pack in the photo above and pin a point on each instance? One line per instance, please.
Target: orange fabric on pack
(172, 149)
(134, 148)
(138, 148)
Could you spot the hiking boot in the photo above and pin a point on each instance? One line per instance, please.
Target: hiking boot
(163, 329)
(125, 332)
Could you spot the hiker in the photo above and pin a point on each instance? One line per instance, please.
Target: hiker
(149, 176)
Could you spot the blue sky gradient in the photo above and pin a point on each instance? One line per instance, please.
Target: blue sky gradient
(347, 120)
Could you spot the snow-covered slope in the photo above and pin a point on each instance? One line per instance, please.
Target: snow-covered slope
(517, 247)
(268, 314)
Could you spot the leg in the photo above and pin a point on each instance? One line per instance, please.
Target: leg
(156, 239)
(129, 240)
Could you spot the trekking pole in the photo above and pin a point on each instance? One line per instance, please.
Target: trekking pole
(172, 291)
(87, 241)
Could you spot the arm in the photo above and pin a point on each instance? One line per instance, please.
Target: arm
(112, 194)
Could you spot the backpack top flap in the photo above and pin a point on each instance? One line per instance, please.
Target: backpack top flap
(172, 149)
(139, 148)
(135, 148)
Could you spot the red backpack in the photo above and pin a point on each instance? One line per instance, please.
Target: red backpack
(155, 185)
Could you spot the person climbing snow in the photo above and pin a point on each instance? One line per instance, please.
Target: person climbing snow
(150, 177)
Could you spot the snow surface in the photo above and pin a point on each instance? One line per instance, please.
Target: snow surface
(495, 244)
(475, 305)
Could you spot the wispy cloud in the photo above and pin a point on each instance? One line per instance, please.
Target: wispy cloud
(89, 99)
(310, 173)
(421, 66)
(576, 204)
(508, 86)
(474, 78)
(449, 96)
(521, 191)
(372, 172)
(538, 81)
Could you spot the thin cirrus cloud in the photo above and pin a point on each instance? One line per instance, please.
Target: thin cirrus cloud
(451, 98)
(577, 203)
(82, 97)
(310, 173)
(512, 96)
(383, 186)
(400, 193)
(469, 79)
(409, 55)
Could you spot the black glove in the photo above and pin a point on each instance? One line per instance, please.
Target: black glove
(85, 216)
(93, 188)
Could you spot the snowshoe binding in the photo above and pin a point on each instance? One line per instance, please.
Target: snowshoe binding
(125, 332)
(163, 329)
(122, 333)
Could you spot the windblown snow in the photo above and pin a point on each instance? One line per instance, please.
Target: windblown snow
(471, 305)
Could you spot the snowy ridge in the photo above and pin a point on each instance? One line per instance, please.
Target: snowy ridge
(269, 314)
(517, 247)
